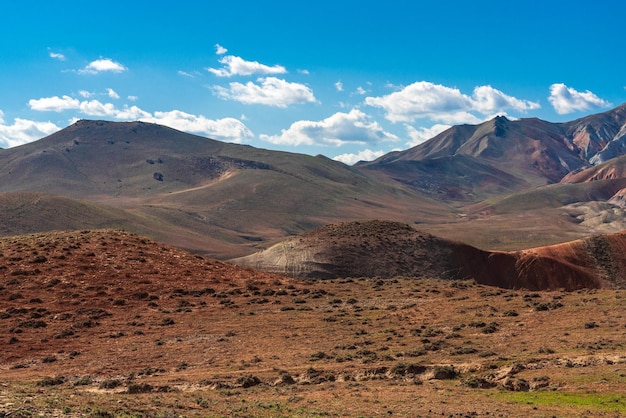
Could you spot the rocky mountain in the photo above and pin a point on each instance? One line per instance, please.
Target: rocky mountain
(388, 249)
(504, 156)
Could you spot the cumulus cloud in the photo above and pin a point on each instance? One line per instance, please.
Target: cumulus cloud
(228, 129)
(339, 86)
(339, 129)
(365, 155)
(567, 100)
(270, 91)
(238, 66)
(112, 94)
(486, 100)
(220, 50)
(85, 94)
(23, 131)
(422, 134)
(54, 104)
(444, 104)
(103, 65)
(360, 90)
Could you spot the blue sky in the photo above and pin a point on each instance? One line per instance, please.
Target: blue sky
(347, 79)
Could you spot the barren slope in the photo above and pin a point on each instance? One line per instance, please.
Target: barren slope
(110, 324)
(186, 185)
(389, 249)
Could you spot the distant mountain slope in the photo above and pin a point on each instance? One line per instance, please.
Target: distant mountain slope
(208, 196)
(389, 249)
(30, 212)
(504, 156)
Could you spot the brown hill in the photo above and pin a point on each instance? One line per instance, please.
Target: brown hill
(389, 249)
(186, 185)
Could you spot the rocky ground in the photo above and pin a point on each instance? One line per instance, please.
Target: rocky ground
(106, 323)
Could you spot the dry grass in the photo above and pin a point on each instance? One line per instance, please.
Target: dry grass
(104, 323)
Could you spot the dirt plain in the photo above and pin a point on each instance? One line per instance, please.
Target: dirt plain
(110, 324)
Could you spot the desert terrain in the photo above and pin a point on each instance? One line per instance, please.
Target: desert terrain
(105, 323)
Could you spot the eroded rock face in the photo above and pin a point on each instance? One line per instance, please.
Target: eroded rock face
(390, 249)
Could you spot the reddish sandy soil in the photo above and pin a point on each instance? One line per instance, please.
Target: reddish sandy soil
(106, 323)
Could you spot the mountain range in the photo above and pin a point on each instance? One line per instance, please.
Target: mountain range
(503, 184)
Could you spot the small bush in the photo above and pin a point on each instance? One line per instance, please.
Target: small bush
(51, 381)
(167, 321)
(247, 381)
(110, 383)
(135, 388)
(444, 372)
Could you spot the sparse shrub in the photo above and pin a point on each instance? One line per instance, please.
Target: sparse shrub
(83, 381)
(110, 383)
(33, 324)
(248, 381)
(167, 321)
(510, 312)
(590, 325)
(135, 388)
(464, 350)
(415, 353)
(491, 328)
(444, 372)
(320, 355)
(39, 259)
(478, 383)
(51, 381)
(407, 369)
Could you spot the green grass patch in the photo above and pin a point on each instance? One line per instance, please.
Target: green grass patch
(601, 402)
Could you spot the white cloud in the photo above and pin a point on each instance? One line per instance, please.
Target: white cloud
(271, 91)
(238, 66)
(487, 99)
(567, 100)
(54, 104)
(133, 98)
(339, 86)
(112, 94)
(23, 131)
(304, 72)
(220, 50)
(360, 90)
(85, 94)
(339, 129)
(186, 74)
(422, 134)
(365, 155)
(97, 108)
(102, 65)
(445, 104)
(229, 129)
(57, 56)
